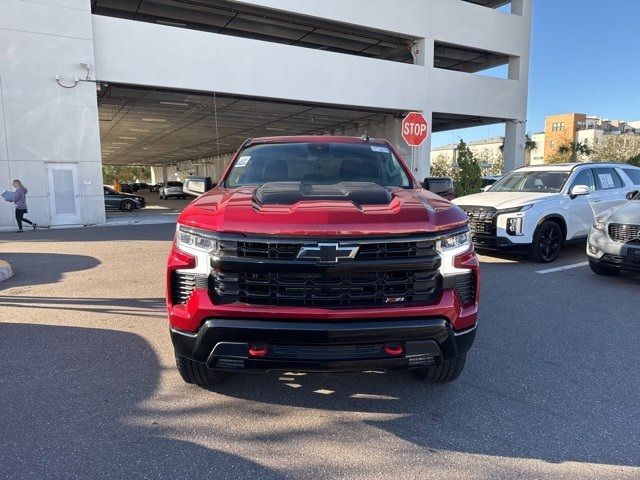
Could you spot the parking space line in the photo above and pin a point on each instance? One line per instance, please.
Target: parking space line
(561, 269)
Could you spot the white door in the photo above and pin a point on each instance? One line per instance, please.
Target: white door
(64, 195)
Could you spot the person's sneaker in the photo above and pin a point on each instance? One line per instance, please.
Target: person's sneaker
(35, 225)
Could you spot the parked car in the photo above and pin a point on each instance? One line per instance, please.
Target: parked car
(614, 241)
(126, 188)
(442, 186)
(537, 209)
(155, 187)
(489, 180)
(122, 201)
(321, 254)
(136, 187)
(171, 189)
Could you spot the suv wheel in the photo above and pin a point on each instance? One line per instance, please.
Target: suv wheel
(127, 206)
(601, 270)
(198, 373)
(447, 371)
(547, 242)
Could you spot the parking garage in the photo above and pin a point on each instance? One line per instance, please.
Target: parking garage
(177, 85)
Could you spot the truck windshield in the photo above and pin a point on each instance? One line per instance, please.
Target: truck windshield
(531, 181)
(318, 163)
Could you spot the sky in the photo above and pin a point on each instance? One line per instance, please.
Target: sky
(585, 58)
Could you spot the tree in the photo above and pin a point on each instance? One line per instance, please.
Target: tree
(575, 149)
(441, 167)
(468, 176)
(124, 173)
(635, 160)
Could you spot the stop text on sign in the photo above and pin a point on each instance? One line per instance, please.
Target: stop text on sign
(415, 129)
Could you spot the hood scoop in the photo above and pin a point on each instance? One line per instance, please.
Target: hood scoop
(289, 193)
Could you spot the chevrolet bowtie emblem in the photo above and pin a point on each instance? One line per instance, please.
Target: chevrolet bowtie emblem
(327, 252)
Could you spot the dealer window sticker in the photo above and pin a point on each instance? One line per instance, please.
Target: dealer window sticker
(606, 180)
(380, 149)
(242, 161)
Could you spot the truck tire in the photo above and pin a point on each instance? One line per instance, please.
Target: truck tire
(547, 242)
(600, 270)
(449, 370)
(198, 373)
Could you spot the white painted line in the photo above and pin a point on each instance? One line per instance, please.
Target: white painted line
(561, 269)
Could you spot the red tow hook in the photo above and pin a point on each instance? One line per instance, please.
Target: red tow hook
(258, 350)
(394, 349)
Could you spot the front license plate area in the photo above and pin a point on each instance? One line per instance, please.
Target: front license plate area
(633, 255)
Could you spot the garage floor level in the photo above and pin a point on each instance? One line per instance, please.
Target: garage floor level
(89, 390)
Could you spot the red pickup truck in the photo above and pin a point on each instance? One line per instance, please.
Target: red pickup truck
(321, 254)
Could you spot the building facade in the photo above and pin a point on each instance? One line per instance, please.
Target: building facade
(171, 84)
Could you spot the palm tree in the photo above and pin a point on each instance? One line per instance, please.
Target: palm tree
(575, 149)
(529, 146)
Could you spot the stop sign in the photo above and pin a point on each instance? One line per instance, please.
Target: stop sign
(415, 129)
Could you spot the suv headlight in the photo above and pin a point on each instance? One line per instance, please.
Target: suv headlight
(454, 242)
(523, 208)
(599, 223)
(188, 239)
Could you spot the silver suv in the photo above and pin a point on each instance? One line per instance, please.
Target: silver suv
(614, 241)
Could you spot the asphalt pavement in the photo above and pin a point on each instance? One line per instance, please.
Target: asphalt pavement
(88, 386)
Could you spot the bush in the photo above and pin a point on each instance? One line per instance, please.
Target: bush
(468, 176)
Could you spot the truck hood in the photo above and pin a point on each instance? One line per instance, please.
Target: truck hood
(504, 200)
(408, 211)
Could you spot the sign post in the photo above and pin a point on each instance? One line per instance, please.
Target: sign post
(415, 131)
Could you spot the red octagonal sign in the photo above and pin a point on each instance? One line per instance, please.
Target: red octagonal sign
(415, 129)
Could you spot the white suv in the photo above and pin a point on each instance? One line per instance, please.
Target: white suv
(537, 209)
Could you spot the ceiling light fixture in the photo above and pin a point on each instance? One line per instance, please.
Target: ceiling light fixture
(138, 130)
(154, 119)
(127, 138)
(177, 104)
(171, 24)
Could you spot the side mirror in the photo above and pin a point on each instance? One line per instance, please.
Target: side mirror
(579, 190)
(197, 186)
(633, 195)
(425, 184)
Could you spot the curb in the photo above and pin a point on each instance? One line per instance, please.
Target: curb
(6, 271)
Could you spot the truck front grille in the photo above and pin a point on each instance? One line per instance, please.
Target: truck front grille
(327, 289)
(624, 233)
(289, 250)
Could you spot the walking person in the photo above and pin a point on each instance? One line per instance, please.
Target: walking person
(20, 202)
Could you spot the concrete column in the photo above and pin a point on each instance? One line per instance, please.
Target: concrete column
(164, 173)
(43, 123)
(514, 138)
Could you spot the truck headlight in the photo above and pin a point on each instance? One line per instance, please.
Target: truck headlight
(188, 239)
(456, 241)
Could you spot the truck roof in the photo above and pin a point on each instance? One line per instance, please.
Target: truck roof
(312, 139)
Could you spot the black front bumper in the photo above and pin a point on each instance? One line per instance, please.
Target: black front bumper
(306, 346)
(482, 241)
(631, 261)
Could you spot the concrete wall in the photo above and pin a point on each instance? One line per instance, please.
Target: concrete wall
(41, 122)
(128, 52)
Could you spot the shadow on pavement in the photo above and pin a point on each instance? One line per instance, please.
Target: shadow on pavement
(129, 307)
(159, 232)
(466, 416)
(44, 268)
(70, 397)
